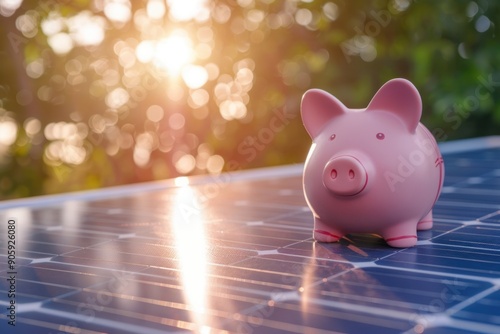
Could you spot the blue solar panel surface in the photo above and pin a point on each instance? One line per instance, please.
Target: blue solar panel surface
(234, 254)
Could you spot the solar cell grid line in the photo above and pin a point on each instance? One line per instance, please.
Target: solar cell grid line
(234, 254)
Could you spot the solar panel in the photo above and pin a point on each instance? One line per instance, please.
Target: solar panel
(234, 254)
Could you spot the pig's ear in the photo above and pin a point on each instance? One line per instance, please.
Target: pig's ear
(400, 97)
(317, 108)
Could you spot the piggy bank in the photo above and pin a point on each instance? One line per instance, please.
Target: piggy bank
(375, 170)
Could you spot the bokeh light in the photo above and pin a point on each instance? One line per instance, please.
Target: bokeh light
(156, 9)
(118, 11)
(66, 142)
(8, 7)
(8, 131)
(117, 98)
(194, 76)
(185, 10)
(61, 43)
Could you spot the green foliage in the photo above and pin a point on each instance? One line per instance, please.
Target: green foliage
(92, 111)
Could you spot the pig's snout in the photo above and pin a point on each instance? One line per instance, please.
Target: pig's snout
(345, 176)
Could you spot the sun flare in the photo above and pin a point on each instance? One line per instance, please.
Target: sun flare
(174, 52)
(171, 53)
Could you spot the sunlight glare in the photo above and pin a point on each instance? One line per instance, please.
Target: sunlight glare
(188, 227)
(181, 181)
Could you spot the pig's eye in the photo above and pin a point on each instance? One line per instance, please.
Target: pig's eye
(380, 136)
(332, 137)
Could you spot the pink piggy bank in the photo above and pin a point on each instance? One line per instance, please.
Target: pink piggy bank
(374, 170)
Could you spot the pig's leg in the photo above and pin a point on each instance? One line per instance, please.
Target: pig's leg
(426, 222)
(324, 232)
(401, 235)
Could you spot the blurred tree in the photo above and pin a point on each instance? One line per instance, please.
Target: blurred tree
(96, 93)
